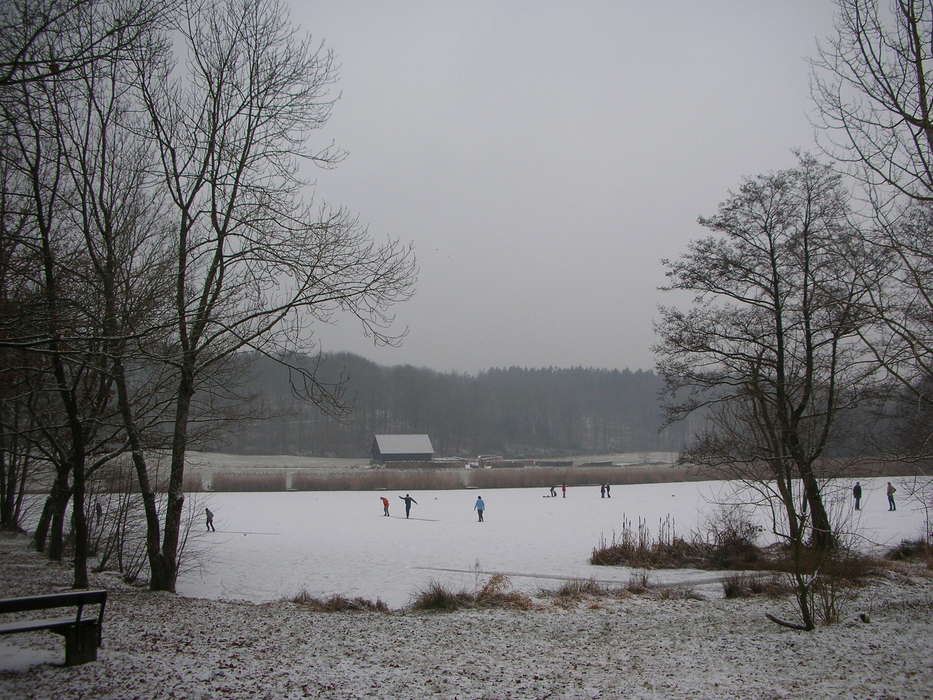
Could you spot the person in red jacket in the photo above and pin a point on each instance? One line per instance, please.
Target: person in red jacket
(385, 505)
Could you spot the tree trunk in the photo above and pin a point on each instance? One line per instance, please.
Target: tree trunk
(787, 500)
(79, 521)
(7, 478)
(175, 496)
(57, 504)
(56, 548)
(21, 492)
(159, 579)
(822, 537)
(40, 536)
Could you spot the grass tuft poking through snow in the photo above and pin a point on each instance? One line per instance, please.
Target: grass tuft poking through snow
(338, 603)
(495, 593)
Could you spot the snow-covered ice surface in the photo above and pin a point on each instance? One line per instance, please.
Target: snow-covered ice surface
(273, 545)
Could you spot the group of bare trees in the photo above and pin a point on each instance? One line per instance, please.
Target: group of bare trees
(155, 223)
(812, 295)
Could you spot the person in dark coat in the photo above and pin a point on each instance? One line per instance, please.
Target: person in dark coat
(608, 495)
(891, 491)
(602, 490)
(210, 519)
(857, 495)
(408, 501)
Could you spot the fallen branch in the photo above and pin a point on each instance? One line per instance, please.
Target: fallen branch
(792, 625)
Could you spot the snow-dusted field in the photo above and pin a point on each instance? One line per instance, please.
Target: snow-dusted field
(158, 645)
(274, 545)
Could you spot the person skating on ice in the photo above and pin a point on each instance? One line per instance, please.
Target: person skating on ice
(408, 501)
(385, 505)
(479, 507)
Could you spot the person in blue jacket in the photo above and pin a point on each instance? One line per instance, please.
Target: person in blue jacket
(479, 507)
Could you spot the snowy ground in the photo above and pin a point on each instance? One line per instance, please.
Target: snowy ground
(206, 644)
(165, 646)
(274, 545)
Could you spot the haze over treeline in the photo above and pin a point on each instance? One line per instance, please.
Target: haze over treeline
(513, 412)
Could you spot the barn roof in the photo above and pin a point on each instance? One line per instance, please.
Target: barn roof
(404, 444)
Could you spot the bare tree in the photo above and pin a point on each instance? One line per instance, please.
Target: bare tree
(769, 348)
(40, 39)
(78, 188)
(17, 407)
(901, 339)
(873, 91)
(872, 88)
(257, 262)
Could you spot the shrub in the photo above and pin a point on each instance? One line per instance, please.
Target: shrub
(841, 564)
(495, 593)
(746, 585)
(677, 593)
(582, 587)
(911, 550)
(830, 596)
(638, 582)
(737, 586)
(575, 589)
(338, 603)
(633, 546)
(773, 585)
(437, 597)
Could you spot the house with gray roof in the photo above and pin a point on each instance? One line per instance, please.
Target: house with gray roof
(402, 448)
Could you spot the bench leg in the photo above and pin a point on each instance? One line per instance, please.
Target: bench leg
(81, 644)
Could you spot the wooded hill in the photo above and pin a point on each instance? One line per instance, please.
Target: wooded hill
(512, 412)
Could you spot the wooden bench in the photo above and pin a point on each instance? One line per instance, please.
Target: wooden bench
(82, 631)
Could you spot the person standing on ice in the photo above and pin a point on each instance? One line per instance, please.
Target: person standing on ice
(602, 490)
(563, 490)
(857, 494)
(210, 520)
(479, 507)
(385, 505)
(608, 495)
(408, 501)
(891, 491)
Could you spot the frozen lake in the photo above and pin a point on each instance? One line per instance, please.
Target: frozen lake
(274, 545)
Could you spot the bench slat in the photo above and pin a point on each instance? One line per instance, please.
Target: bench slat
(53, 600)
(47, 623)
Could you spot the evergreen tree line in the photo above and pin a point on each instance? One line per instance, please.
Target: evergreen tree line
(512, 412)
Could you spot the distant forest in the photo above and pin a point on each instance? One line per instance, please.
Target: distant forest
(513, 412)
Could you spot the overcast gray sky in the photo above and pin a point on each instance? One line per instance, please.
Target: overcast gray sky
(544, 156)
